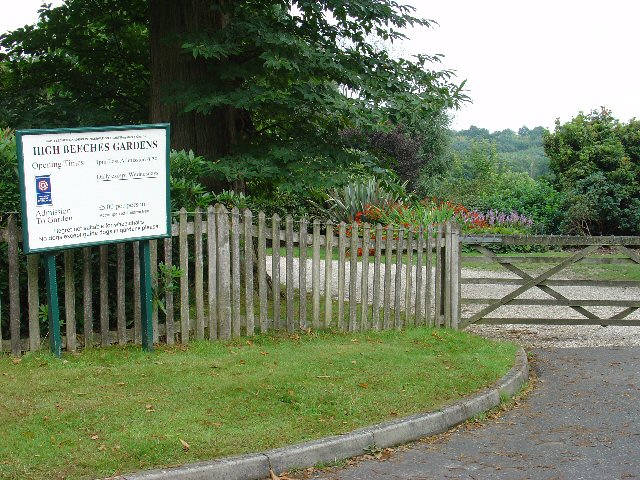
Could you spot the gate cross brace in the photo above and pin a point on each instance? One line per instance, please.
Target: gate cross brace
(629, 253)
(533, 282)
(636, 258)
(524, 275)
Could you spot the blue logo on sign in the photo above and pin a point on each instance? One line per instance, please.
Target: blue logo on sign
(43, 190)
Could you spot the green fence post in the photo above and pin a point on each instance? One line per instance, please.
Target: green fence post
(146, 302)
(55, 340)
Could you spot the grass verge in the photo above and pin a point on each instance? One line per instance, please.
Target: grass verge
(118, 410)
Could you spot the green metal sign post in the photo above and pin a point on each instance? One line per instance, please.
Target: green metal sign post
(55, 340)
(145, 295)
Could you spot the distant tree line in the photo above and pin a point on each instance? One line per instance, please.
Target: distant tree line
(521, 151)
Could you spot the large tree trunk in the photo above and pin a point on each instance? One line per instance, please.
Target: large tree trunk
(210, 135)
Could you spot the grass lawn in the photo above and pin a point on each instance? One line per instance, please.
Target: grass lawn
(116, 410)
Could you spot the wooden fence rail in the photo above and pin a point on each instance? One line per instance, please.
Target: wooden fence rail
(239, 274)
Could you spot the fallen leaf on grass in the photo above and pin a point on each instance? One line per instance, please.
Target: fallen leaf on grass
(185, 445)
(214, 424)
(16, 360)
(363, 385)
(94, 437)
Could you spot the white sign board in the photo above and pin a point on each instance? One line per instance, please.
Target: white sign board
(88, 186)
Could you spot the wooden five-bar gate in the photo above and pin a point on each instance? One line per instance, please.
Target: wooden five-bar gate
(551, 282)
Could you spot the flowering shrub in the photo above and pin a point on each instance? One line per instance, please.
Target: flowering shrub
(494, 219)
(432, 212)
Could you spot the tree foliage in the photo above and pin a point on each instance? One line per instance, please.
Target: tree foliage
(288, 75)
(596, 162)
(305, 71)
(521, 152)
(480, 178)
(83, 63)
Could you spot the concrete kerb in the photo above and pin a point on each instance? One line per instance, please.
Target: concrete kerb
(340, 447)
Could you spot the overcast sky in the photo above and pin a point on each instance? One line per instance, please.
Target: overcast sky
(526, 63)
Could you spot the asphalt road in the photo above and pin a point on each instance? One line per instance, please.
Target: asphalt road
(582, 421)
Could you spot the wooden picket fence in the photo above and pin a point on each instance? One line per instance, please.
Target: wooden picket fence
(236, 281)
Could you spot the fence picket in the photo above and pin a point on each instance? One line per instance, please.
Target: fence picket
(289, 272)
(120, 295)
(104, 295)
(438, 310)
(397, 318)
(429, 279)
(183, 242)
(198, 267)
(275, 270)
(446, 285)
(315, 274)
(456, 274)
(408, 320)
(170, 328)
(419, 290)
(302, 271)
(70, 301)
(137, 302)
(34, 302)
(212, 300)
(364, 289)
(248, 272)
(353, 277)
(262, 272)
(87, 298)
(328, 275)
(386, 318)
(342, 246)
(224, 273)
(376, 278)
(235, 273)
(14, 289)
